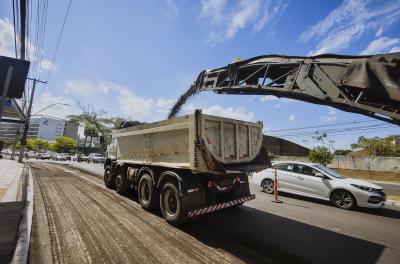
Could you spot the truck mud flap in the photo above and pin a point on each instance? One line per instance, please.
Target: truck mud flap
(220, 206)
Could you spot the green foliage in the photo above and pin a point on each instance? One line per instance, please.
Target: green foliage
(342, 152)
(91, 130)
(37, 144)
(321, 155)
(377, 146)
(64, 145)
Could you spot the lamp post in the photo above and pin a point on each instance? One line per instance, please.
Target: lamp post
(49, 107)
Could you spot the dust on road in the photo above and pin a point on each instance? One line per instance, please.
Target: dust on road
(90, 224)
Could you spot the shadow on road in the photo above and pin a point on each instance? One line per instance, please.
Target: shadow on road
(279, 239)
(384, 212)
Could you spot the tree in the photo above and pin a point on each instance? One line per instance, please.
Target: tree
(37, 144)
(321, 155)
(94, 117)
(377, 146)
(64, 145)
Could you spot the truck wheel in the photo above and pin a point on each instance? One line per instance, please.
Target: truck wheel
(148, 195)
(171, 204)
(109, 178)
(121, 184)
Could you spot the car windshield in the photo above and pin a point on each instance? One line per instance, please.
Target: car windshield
(328, 171)
(97, 155)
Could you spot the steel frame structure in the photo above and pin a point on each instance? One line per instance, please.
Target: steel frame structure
(317, 80)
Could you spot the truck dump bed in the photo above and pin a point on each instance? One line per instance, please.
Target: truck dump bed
(199, 142)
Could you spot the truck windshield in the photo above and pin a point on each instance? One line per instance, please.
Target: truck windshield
(328, 171)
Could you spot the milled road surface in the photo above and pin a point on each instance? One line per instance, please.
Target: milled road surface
(89, 223)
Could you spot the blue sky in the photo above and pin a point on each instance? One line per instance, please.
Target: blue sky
(134, 58)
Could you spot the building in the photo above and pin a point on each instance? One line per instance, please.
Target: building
(71, 130)
(395, 140)
(282, 147)
(8, 131)
(46, 128)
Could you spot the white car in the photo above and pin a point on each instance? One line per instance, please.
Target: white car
(316, 181)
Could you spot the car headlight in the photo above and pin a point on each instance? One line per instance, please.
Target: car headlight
(364, 188)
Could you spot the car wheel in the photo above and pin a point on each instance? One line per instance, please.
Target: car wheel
(267, 186)
(343, 199)
(171, 204)
(147, 193)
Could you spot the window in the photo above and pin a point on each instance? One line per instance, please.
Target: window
(283, 166)
(304, 169)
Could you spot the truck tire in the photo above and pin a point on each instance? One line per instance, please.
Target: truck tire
(171, 204)
(109, 178)
(121, 184)
(147, 193)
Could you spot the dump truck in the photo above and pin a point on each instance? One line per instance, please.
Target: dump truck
(186, 166)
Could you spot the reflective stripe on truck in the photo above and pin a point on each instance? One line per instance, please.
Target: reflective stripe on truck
(220, 206)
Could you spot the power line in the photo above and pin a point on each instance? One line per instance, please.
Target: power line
(326, 125)
(15, 31)
(59, 40)
(58, 44)
(341, 130)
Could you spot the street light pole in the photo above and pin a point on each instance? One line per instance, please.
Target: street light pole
(49, 107)
(27, 121)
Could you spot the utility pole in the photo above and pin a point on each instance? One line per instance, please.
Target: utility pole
(27, 121)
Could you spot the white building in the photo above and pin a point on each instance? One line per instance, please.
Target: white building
(46, 128)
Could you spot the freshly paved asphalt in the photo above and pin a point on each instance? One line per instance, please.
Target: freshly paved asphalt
(299, 230)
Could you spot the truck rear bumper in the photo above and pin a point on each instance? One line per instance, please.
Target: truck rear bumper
(220, 206)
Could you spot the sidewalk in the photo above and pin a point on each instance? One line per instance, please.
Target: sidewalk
(12, 205)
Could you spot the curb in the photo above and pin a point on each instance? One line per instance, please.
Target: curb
(24, 234)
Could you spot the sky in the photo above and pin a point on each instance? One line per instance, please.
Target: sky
(135, 58)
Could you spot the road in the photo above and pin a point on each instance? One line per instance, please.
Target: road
(390, 189)
(76, 219)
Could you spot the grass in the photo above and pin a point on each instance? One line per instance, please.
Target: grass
(371, 175)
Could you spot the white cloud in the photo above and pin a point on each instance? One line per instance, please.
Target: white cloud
(170, 11)
(395, 49)
(331, 115)
(6, 38)
(380, 45)
(7, 46)
(379, 32)
(270, 13)
(291, 118)
(227, 19)
(266, 98)
(142, 108)
(86, 87)
(239, 113)
(47, 65)
(348, 22)
(236, 113)
(136, 107)
(46, 99)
